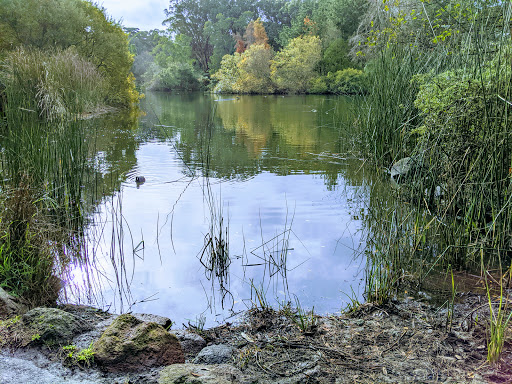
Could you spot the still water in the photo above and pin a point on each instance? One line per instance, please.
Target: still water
(273, 176)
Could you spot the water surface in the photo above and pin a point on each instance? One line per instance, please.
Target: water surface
(275, 169)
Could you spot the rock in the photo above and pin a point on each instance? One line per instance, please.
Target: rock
(160, 320)
(9, 305)
(130, 344)
(201, 374)
(191, 342)
(53, 326)
(215, 354)
(402, 169)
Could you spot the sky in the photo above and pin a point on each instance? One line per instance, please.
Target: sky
(145, 15)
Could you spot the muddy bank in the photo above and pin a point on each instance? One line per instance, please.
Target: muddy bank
(406, 341)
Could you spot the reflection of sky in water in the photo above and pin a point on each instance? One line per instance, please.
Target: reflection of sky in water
(321, 242)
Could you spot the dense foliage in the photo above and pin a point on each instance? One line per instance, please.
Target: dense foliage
(51, 26)
(202, 32)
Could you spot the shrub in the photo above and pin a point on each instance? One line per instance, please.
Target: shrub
(293, 68)
(178, 77)
(319, 85)
(254, 70)
(349, 81)
(464, 135)
(227, 75)
(52, 84)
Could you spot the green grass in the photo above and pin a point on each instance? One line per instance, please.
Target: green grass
(498, 319)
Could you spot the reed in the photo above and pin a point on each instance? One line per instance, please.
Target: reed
(45, 168)
(498, 319)
(448, 108)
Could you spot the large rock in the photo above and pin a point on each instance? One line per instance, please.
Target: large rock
(53, 326)
(201, 374)
(160, 320)
(403, 169)
(129, 344)
(191, 342)
(9, 305)
(215, 354)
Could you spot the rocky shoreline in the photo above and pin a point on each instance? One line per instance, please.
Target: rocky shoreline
(406, 341)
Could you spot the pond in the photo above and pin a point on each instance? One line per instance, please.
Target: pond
(269, 181)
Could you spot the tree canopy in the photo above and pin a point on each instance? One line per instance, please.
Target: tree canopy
(62, 24)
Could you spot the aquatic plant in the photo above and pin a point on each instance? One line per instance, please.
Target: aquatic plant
(44, 162)
(259, 299)
(445, 103)
(498, 319)
(305, 320)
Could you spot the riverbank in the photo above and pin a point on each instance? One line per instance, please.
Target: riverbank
(403, 341)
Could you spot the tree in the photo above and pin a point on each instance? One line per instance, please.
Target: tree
(106, 45)
(225, 31)
(228, 74)
(189, 17)
(51, 24)
(336, 57)
(293, 68)
(254, 70)
(211, 25)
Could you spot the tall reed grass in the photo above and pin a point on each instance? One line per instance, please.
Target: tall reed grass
(44, 164)
(448, 108)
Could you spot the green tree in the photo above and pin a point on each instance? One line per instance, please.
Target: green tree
(227, 76)
(212, 25)
(254, 70)
(106, 45)
(336, 57)
(293, 68)
(51, 24)
(189, 18)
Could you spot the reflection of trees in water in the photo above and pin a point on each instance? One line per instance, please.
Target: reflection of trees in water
(113, 144)
(239, 137)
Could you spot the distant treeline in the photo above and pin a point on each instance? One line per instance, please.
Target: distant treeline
(247, 46)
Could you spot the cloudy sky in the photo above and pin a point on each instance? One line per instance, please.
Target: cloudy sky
(145, 15)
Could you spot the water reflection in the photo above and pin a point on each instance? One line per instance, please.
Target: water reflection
(277, 167)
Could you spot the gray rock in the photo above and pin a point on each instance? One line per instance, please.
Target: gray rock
(160, 320)
(201, 374)
(53, 325)
(129, 344)
(402, 169)
(191, 342)
(215, 354)
(9, 305)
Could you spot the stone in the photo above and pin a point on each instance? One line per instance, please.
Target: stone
(215, 354)
(191, 342)
(53, 326)
(402, 169)
(200, 374)
(160, 320)
(9, 305)
(130, 344)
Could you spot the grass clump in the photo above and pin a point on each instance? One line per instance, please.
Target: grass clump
(44, 163)
(72, 356)
(50, 84)
(498, 319)
(27, 262)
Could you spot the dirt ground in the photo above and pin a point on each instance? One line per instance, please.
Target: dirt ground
(404, 341)
(411, 340)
